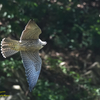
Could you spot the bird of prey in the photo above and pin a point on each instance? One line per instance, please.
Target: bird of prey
(29, 46)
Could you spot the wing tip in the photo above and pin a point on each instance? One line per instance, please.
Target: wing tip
(30, 89)
(31, 20)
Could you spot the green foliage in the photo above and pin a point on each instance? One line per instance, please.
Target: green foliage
(53, 62)
(87, 90)
(8, 65)
(64, 25)
(49, 91)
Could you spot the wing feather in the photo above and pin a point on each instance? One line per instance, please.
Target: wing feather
(31, 31)
(32, 64)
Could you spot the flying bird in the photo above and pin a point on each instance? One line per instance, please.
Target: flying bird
(29, 46)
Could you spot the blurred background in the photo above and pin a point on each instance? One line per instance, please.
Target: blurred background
(71, 59)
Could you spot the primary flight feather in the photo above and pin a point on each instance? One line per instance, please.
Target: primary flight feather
(29, 46)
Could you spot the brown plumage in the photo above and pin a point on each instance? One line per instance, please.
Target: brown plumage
(29, 46)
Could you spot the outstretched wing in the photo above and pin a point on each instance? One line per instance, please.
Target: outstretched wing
(32, 64)
(31, 31)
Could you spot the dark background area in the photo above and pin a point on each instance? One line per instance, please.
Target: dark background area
(71, 59)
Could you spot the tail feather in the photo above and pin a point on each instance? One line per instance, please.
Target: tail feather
(8, 47)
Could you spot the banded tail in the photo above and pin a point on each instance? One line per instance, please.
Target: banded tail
(9, 47)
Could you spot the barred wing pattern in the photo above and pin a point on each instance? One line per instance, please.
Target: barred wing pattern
(31, 31)
(32, 64)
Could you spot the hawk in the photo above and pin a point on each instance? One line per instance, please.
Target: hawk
(28, 46)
